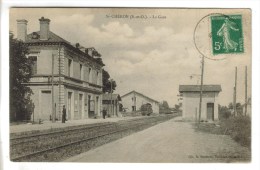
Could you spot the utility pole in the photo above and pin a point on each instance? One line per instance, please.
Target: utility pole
(111, 81)
(59, 83)
(52, 90)
(245, 90)
(235, 94)
(201, 85)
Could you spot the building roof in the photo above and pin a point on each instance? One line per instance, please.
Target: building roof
(52, 38)
(140, 95)
(196, 88)
(108, 97)
(34, 37)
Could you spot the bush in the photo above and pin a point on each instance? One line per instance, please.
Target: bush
(239, 128)
(146, 109)
(224, 112)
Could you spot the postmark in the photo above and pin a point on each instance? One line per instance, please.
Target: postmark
(227, 34)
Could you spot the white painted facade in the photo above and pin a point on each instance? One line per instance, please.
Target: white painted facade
(191, 101)
(136, 100)
(77, 76)
(190, 105)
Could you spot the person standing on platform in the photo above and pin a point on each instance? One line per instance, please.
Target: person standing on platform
(104, 114)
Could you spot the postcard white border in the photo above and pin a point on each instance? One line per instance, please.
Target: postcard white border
(4, 143)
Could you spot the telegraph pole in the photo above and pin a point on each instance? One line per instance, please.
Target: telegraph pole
(235, 94)
(111, 81)
(201, 85)
(52, 90)
(245, 90)
(59, 82)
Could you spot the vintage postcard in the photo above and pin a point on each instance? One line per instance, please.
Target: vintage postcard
(130, 85)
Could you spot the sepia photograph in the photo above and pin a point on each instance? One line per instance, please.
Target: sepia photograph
(130, 85)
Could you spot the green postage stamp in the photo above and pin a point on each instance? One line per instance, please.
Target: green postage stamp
(227, 35)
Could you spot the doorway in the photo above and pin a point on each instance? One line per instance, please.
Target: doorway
(97, 105)
(46, 105)
(80, 106)
(91, 107)
(69, 105)
(210, 111)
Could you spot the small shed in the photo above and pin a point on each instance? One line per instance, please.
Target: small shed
(191, 98)
(111, 104)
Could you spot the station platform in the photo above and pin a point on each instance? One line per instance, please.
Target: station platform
(172, 141)
(46, 125)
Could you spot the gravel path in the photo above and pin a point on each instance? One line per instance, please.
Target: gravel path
(172, 141)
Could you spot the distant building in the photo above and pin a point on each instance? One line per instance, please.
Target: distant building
(111, 103)
(133, 101)
(76, 72)
(191, 98)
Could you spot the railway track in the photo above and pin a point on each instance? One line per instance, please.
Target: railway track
(59, 145)
(26, 138)
(20, 139)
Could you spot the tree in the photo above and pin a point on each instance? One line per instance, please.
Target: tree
(146, 109)
(120, 107)
(239, 107)
(177, 107)
(230, 106)
(165, 105)
(20, 72)
(107, 82)
(224, 112)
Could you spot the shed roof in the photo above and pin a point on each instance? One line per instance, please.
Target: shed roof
(196, 88)
(140, 95)
(108, 97)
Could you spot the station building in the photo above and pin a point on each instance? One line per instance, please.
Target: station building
(63, 74)
(133, 101)
(190, 95)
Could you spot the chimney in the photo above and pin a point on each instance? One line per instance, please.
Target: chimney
(44, 28)
(22, 29)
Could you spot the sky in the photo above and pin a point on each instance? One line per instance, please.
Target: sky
(152, 55)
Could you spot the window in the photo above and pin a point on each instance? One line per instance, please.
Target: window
(97, 78)
(46, 91)
(81, 72)
(89, 75)
(70, 68)
(33, 60)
